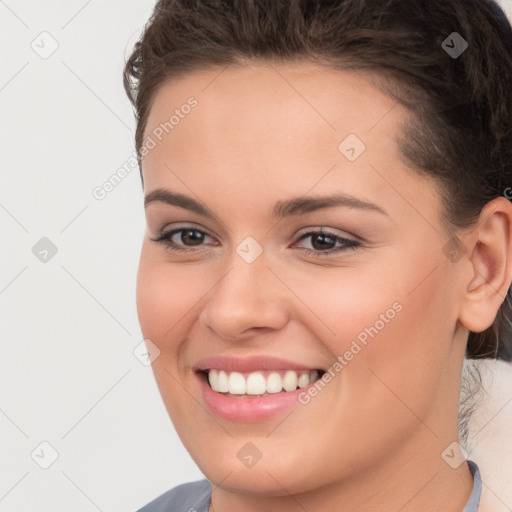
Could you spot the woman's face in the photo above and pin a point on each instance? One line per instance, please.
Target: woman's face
(259, 160)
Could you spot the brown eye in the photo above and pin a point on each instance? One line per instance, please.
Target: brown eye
(191, 236)
(324, 243)
(183, 239)
(321, 242)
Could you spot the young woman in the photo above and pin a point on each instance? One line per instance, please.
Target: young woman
(329, 238)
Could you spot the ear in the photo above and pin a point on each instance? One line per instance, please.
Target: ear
(490, 252)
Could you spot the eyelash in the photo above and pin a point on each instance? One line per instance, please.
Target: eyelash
(165, 238)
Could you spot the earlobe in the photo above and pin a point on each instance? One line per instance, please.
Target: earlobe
(491, 260)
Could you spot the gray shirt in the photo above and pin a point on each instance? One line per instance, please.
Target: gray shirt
(195, 496)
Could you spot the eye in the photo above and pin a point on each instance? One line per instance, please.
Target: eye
(325, 243)
(182, 239)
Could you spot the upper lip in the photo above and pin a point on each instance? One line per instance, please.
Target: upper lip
(249, 364)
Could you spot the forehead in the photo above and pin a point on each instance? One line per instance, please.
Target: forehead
(287, 98)
(301, 103)
(283, 124)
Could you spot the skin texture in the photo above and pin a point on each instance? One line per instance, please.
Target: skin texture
(372, 439)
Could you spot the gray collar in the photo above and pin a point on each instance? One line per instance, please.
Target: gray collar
(474, 498)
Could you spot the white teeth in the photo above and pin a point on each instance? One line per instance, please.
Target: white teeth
(274, 383)
(290, 381)
(236, 383)
(303, 380)
(213, 379)
(256, 383)
(223, 382)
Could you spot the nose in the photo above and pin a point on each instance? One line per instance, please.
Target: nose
(247, 300)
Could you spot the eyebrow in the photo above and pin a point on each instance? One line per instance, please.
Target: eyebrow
(287, 208)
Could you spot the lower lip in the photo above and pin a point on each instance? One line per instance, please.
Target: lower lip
(248, 409)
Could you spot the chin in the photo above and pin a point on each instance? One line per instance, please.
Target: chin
(262, 481)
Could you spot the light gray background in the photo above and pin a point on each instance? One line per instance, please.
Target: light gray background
(69, 325)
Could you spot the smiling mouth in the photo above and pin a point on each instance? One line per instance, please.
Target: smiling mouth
(259, 383)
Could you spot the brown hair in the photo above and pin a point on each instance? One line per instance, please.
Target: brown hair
(460, 132)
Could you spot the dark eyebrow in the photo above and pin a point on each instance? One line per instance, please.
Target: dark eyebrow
(303, 205)
(297, 206)
(173, 198)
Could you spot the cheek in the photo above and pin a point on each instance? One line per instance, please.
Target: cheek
(155, 304)
(405, 362)
(164, 298)
(342, 303)
(392, 326)
(166, 295)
